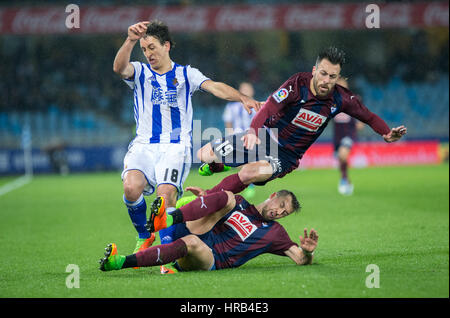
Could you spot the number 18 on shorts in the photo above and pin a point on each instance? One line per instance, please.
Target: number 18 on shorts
(160, 163)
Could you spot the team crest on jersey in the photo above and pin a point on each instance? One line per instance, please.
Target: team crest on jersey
(175, 82)
(241, 225)
(280, 95)
(308, 120)
(157, 96)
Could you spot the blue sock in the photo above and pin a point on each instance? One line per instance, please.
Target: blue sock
(166, 235)
(138, 215)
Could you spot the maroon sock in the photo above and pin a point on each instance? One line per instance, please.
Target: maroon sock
(204, 205)
(216, 166)
(161, 254)
(343, 166)
(231, 183)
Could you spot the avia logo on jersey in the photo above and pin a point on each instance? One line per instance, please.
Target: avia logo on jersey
(280, 95)
(241, 225)
(308, 120)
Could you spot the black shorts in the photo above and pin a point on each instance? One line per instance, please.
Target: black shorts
(231, 151)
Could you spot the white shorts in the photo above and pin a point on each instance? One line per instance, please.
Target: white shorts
(160, 164)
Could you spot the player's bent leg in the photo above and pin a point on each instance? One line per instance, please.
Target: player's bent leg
(258, 171)
(199, 257)
(211, 163)
(206, 154)
(190, 251)
(206, 223)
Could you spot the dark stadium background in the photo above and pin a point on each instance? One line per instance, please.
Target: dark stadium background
(59, 91)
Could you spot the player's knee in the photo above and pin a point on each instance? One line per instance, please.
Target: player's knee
(192, 242)
(199, 154)
(131, 191)
(205, 153)
(253, 171)
(231, 201)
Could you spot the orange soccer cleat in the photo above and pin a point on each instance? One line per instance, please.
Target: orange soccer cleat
(158, 216)
(167, 269)
(142, 244)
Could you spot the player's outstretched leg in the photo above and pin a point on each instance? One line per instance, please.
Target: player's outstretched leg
(153, 256)
(112, 259)
(208, 169)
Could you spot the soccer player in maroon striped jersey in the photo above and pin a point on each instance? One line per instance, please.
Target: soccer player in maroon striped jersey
(290, 121)
(219, 230)
(344, 135)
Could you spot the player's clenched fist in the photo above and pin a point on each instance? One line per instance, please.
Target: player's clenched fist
(137, 31)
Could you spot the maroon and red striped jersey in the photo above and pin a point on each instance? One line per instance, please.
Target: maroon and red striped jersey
(297, 117)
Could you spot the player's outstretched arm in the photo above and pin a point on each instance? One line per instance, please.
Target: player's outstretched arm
(226, 92)
(395, 134)
(303, 255)
(122, 65)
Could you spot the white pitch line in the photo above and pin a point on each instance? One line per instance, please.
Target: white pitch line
(19, 182)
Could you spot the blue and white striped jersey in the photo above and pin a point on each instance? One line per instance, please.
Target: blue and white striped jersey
(162, 103)
(236, 114)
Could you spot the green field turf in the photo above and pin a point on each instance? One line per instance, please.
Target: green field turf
(397, 219)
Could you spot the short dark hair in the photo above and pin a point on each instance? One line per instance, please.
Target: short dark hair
(295, 204)
(332, 54)
(160, 31)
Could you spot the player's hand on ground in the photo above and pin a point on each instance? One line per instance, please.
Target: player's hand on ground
(395, 134)
(138, 30)
(250, 140)
(197, 191)
(250, 103)
(309, 243)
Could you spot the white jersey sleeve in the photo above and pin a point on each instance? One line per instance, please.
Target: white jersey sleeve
(196, 78)
(131, 82)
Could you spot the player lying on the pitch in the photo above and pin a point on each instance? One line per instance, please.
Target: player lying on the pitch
(218, 230)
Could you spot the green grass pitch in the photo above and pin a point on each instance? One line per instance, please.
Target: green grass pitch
(397, 219)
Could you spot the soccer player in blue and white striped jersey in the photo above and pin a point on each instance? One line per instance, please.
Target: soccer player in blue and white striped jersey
(159, 157)
(234, 116)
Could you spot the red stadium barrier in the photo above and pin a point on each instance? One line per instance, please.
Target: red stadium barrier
(367, 154)
(116, 19)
